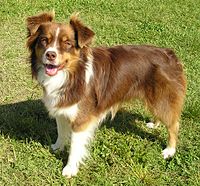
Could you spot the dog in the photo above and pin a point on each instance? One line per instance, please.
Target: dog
(82, 84)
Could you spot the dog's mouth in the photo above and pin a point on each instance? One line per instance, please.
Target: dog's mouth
(52, 70)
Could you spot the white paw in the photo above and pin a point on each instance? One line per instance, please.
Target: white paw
(150, 125)
(168, 152)
(70, 171)
(56, 147)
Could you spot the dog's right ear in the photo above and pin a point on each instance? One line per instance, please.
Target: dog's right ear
(34, 22)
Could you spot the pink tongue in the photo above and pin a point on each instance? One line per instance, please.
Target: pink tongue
(51, 70)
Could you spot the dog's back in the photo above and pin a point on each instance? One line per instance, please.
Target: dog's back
(146, 72)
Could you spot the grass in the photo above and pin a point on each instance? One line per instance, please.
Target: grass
(124, 152)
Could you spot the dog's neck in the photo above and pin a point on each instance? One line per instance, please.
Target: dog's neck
(63, 89)
(52, 86)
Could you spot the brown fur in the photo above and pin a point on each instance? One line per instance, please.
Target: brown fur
(152, 74)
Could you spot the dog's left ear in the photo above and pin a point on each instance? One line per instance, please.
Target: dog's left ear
(83, 35)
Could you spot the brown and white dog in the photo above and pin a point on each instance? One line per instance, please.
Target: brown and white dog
(83, 84)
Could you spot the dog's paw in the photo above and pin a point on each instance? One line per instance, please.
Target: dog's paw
(55, 147)
(168, 152)
(70, 171)
(150, 125)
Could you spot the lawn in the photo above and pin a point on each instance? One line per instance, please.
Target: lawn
(124, 152)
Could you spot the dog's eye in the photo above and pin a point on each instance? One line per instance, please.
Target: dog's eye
(44, 41)
(68, 44)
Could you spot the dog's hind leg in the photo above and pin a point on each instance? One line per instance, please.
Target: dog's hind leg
(153, 125)
(168, 112)
(167, 108)
(168, 116)
(172, 129)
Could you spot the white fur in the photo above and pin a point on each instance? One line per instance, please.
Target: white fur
(152, 125)
(64, 133)
(68, 112)
(51, 83)
(168, 152)
(51, 97)
(78, 150)
(89, 70)
(56, 38)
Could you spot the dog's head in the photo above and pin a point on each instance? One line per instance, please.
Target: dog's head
(55, 46)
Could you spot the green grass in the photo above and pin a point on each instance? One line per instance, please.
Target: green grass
(124, 152)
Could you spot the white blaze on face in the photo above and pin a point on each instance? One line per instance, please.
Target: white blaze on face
(56, 38)
(51, 67)
(52, 48)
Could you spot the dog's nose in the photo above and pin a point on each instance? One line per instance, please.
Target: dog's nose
(51, 55)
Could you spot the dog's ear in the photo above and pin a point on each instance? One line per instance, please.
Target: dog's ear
(83, 35)
(34, 22)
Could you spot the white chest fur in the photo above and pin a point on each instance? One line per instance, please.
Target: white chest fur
(68, 112)
(51, 84)
(51, 97)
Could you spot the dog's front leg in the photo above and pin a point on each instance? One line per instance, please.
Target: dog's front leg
(64, 130)
(78, 150)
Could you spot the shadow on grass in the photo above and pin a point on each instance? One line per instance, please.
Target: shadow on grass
(127, 122)
(29, 120)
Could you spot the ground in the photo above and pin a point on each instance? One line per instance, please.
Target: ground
(124, 152)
